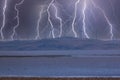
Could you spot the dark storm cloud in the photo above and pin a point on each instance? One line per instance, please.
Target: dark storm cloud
(29, 13)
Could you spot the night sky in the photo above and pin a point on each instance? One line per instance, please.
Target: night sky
(96, 25)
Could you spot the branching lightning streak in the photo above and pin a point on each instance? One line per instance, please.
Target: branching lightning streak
(84, 18)
(4, 19)
(56, 15)
(59, 18)
(52, 27)
(111, 27)
(17, 17)
(74, 19)
(107, 19)
(38, 24)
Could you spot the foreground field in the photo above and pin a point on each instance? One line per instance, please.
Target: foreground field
(60, 66)
(59, 78)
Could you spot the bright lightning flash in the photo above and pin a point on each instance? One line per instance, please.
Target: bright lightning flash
(74, 19)
(106, 18)
(49, 16)
(84, 18)
(18, 19)
(4, 19)
(57, 17)
(38, 24)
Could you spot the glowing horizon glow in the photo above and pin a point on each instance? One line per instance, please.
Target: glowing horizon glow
(18, 19)
(4, 19)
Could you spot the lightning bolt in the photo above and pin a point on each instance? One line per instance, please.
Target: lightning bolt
(38, 23)
(57, 16)
(18, 19)
(84, 18)
(60, 20)
(74, 19)
(106, 18)
(4, 19)
(49, 16)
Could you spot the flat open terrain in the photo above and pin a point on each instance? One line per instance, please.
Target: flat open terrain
(98, 65)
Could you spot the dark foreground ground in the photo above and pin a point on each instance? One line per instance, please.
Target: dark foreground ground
(59, 78)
